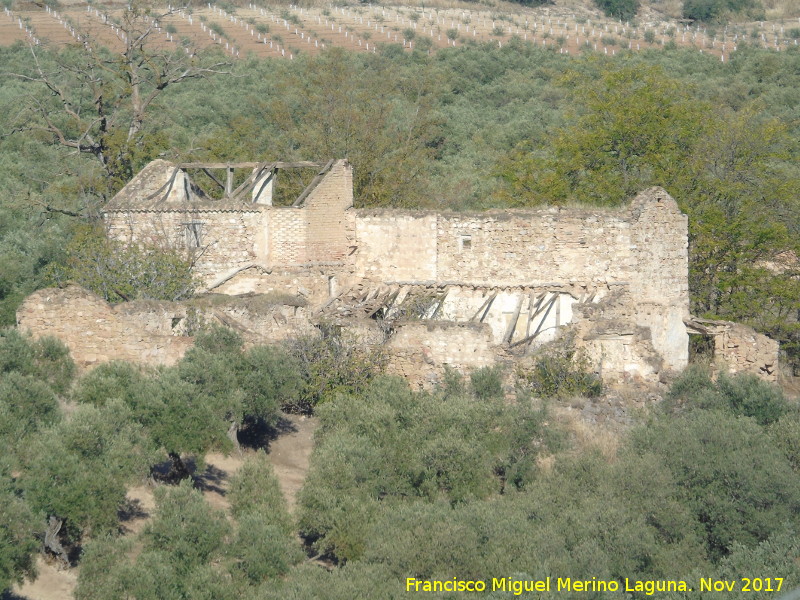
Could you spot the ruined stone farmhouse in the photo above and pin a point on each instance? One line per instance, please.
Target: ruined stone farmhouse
(458, 289)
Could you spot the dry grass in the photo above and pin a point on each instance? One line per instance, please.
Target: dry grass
(587, 437)
(782, 9)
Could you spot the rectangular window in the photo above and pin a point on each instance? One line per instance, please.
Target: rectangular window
(466, 242)
(193, 233)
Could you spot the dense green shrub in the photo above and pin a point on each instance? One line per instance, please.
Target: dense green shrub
(47, 359)
(742, 394)
(17, 541)
(334, 362)
(270, 379)
(219, 340)
(708, 10)
(26, 406)
(405, 445)
(79, 469)
(619, 9)
(108, 381)
(487, 382)
(739, 487)
(785, 434)
(560, 372)
(264, 550)
(185, 527)
(174, 557)
(116, 272)
(255, 489)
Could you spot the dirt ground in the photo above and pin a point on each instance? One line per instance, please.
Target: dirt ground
(289, 453)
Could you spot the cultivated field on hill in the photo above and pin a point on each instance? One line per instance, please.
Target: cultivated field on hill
(289, 31)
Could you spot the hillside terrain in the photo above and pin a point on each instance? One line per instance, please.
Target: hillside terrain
(125, 481)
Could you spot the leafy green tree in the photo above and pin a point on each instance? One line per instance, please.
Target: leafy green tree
(177, 548)
(262, 549)
(255, 488)
(26, 405)
(244, 387)
(405, 445)
(203, 401)
(186, 527)
(740, 488)
(17, 527)
(635, 129)
(709, 10)
(265, 543)
(331, 363)
(78, 470)
(367, 110)
(743, 394)
(46, 359)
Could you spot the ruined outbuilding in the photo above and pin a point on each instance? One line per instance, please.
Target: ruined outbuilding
(462, 289)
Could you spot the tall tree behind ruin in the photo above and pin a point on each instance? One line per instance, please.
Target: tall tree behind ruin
(376, 114)
(94, 101)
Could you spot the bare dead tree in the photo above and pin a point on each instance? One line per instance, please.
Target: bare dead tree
(96, 101)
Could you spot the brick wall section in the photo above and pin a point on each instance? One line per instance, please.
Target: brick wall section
(330, 222)
(94, 331)
(288, 229)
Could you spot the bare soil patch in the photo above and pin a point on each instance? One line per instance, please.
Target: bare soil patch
(290, 453)
(51, 584)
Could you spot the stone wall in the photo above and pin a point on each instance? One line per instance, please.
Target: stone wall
(660, 288)
(153, 332)
(94, 331)
(529, 268)
(396, 246)
(419, 351)
(510, 248)
(576, 253)
(740, 349)
(315, 284)
(232, 236)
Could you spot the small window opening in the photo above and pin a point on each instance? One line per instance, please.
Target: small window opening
(466, 242)
(193, 232)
